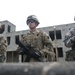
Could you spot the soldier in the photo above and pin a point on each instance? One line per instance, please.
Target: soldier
(3, 45)
(70, 43)
(39, 40)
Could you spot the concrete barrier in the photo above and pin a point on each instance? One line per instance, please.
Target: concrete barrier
(54, 68)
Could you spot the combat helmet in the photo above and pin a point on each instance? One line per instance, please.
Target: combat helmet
(32, 17)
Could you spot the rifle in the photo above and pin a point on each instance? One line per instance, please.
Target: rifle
(29, 51)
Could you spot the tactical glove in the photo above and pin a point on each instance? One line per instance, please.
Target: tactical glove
(21, 51)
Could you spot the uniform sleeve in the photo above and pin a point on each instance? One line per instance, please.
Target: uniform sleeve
(48, 47)
(3, 43)
(47, 42)
(68, 42)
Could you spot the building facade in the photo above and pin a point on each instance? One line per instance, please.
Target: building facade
(57, 34)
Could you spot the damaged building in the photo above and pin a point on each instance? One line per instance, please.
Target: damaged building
(57, 34)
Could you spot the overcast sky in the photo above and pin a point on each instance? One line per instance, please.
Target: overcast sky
(49, 12)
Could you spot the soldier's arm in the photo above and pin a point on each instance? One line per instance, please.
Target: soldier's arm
(68, 43)
(48, 49)
(3, 43)
(69, 38)
(48, 46)
(47, 41)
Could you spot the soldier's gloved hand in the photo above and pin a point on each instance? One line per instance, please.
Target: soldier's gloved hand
(43, 51)
(21, 51)
(38, 53)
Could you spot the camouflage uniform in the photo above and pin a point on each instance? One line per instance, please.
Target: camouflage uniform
(3, 46)
(41, 42)
(70, 43)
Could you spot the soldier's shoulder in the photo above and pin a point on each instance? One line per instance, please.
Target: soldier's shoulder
(71, 30)
(1, 35)
(26, 34)
(44, 33)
